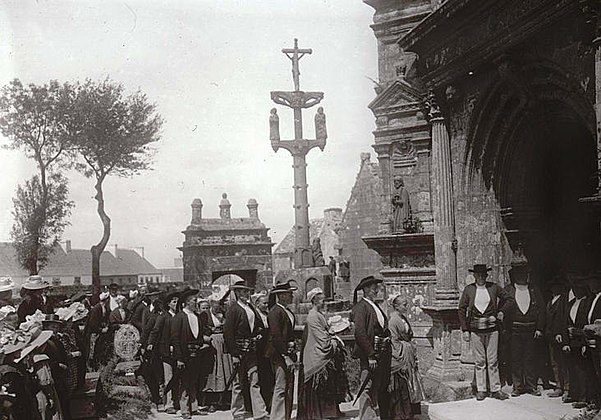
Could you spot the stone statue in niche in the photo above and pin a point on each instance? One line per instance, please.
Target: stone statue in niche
(318, 260)
(320, 125)
(401, 207)
(274, 125)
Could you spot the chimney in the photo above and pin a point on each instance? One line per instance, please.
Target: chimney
(115, 250)
(224, 207)
(253, 209)
(68, 246)
(365, 157)
(196, 212)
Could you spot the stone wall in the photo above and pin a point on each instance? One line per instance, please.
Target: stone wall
(361, 218)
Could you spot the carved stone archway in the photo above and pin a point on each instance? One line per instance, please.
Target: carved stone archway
(531, 142)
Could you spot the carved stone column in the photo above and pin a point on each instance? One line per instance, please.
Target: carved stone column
(444, 211)
(445, 329)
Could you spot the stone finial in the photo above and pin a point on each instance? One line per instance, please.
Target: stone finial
(365, 157)
(224, 207)
(196, 211)
(253, 209)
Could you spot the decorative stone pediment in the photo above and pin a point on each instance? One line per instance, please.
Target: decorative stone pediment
(396, 97)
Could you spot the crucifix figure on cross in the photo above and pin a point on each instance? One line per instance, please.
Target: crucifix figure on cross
(295, 54)
(299, 147)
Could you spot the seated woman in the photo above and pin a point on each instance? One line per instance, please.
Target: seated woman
(405, 386)
(320, 393)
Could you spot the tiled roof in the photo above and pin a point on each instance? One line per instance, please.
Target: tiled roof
(78, 262)
(286, 246)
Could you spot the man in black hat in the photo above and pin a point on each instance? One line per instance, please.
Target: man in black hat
(583, 383)
(372, 348)
(240, 333)
(281, 350)
(190, 344)
(482, 304)
(555, 333)
(114, 292)
(526, 322)
(141, 309)
(160, 341)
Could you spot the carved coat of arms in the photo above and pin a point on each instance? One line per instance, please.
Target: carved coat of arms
(127, 342)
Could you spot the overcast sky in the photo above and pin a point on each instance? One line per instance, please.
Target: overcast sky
(210, 67)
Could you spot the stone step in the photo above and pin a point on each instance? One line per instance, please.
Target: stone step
(524, 407)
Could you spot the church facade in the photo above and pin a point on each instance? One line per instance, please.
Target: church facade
(488, 110)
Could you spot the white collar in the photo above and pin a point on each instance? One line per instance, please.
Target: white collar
(188, 311)
(171, 312)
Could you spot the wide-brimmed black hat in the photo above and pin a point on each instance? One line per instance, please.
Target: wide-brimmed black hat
(153, 293)
(240, 284)
(169, 296)
(184, 295)
(479, 268)
(518, 272)
(366, 281)
(283, 287)
(114, 286)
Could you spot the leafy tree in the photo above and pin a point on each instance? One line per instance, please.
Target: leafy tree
(37, 229)
(35, 119)
(113, 134)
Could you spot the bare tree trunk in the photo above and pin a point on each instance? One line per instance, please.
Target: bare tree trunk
(106, 233)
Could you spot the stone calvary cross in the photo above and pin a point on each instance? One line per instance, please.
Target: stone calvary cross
(298, 148)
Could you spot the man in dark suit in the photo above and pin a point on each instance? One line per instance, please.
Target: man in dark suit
(281, 350)
(159, 341)
(372, 348)
(583, 381)
(526, 323)
(189, 347)
(266, 376)
(240, 333)
(96, 331)
(555, 334)
(483, 303)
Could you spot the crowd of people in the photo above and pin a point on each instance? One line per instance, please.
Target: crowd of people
(237, 350)
(518, 338)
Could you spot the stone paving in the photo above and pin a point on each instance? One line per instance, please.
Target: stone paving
(525, 407)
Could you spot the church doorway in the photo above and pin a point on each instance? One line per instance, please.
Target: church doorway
(548, 166)
(537, 153)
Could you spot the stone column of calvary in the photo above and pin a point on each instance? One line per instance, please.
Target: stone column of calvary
(298, 148)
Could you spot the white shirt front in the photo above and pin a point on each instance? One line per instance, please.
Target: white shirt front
(290, 315)
(522, 297)
(574, 309)
(379, 312)
(264, 319)
(555, 299)
(122, 312)
(216, 320)
(482, 298)
(113, 304)
(193, 321)
(590, 313)
(249, 314)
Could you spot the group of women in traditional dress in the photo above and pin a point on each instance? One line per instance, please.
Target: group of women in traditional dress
(324, 384)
